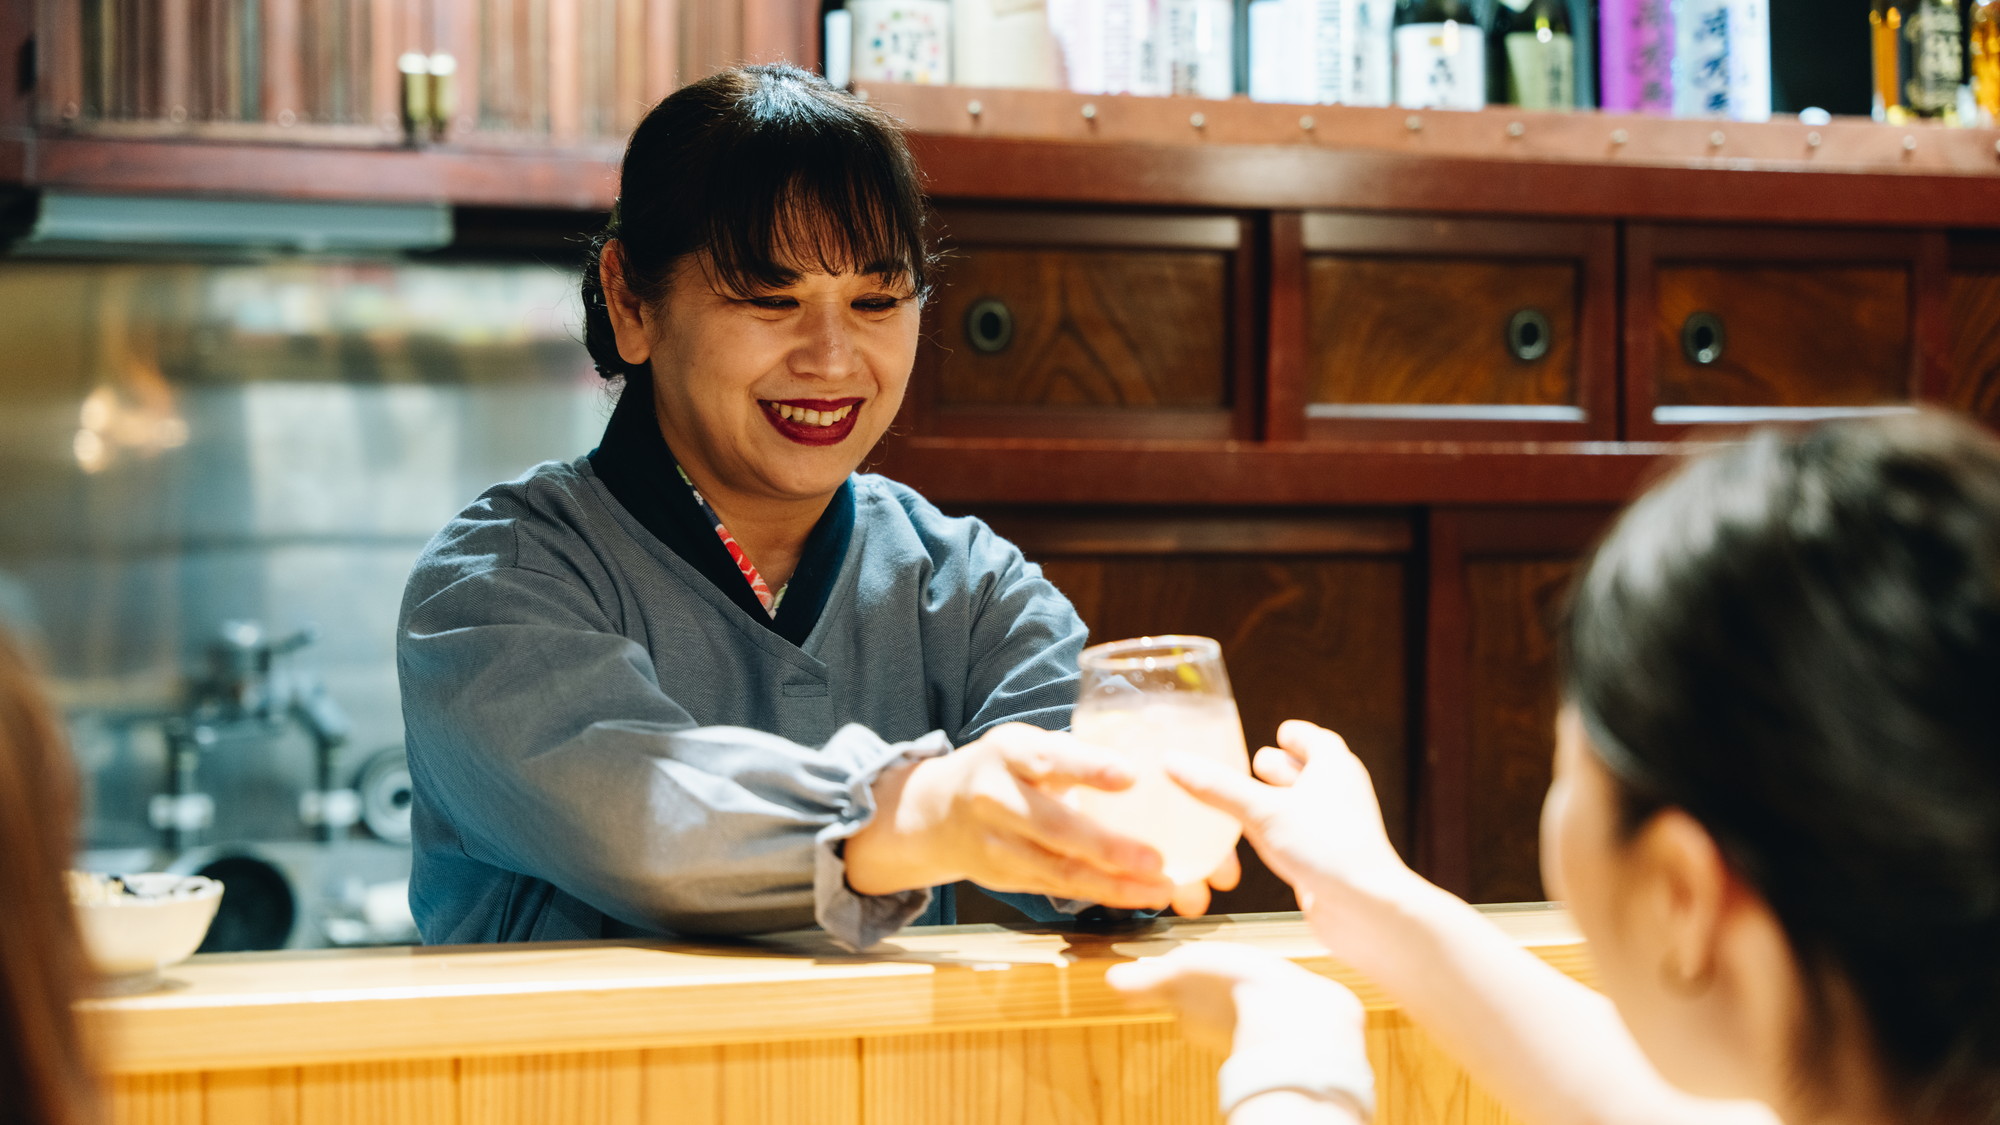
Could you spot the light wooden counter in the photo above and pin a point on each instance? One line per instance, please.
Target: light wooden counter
(944, 1026)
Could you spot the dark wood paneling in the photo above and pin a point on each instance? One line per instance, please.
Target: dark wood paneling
(1496, 578)
(1407, 330)
(1125, 328)
(1975, 344)
(1302, 177)
(1318, 638)
(1284, 416)
(1795, 335)
(1104, 471)
(1512, 605)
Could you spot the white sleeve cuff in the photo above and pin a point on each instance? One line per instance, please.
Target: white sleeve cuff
(1310, 1068)
(858, 921)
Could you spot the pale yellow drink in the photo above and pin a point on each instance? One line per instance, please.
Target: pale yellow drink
(1192, 837)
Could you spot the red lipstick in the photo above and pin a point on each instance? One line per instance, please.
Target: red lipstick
(803, 430)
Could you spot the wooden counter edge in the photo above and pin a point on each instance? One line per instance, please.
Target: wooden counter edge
(274, 1010)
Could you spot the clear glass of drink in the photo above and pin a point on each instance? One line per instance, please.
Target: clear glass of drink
(1142, 698)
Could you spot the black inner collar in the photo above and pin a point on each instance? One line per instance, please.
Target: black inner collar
(635, 464)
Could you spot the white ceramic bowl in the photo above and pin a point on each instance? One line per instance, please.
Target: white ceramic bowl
(131, 937)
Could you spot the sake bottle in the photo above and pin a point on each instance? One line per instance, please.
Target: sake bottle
(1440, 54)
(1532, 55)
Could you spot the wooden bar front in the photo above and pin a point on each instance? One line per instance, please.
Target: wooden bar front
(962, 1024)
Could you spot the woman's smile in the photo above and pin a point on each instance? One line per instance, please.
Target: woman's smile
(813, 421)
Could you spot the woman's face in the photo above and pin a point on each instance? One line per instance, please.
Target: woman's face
(1672, 941)
(779, 394)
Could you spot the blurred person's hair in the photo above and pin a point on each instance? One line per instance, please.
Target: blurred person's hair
(46, 1077)
(1796, 641)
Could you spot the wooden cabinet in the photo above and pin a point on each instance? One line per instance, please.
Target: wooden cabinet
(1082, 323)
(1446, 328)
(1312, 608)
(1734, 327)
(1973, 312)
(1498, 579)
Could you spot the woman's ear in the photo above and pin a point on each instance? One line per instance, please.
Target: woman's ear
(630, 319)
(1688, 887)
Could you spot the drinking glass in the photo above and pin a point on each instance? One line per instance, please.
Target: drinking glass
(1143, 698)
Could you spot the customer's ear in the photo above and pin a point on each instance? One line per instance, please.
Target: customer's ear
(1684, 891)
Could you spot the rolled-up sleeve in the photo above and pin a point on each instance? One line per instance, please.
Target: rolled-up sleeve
(549, 748)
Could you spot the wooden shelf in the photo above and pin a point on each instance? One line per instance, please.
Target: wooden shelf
(1148, 151)
(1038, 145)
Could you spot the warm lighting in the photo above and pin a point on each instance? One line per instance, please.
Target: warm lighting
(110, 426)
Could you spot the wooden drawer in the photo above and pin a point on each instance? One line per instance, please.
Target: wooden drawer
(1449, 328)
(1729, 326)
(1087, 325)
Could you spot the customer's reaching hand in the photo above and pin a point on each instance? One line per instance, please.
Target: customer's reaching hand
(1315, 820)
(1294, 1038)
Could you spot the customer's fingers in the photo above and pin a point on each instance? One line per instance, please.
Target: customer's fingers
(1245, 799)
(1276, 767)
(1013, 863)
(1190, 899)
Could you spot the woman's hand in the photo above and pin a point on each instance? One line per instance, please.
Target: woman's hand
(990, 812)
(1258, 1006)
(1315, 820)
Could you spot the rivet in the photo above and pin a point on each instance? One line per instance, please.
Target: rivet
(1620, 136)
(1197, 120)
(1413, 123)
(1516, 129)
(71, 111)
(1813, 139)
(1307, 123)
(287, 119)
(1716, 139)
(974, 108)
(1089, 112)
(1996, 147)
(1909, 144)
(177, 114)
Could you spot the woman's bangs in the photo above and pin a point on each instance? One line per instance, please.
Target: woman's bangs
(827, 218)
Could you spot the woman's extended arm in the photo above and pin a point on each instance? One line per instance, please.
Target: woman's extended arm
(542, 744)
(1549, 1048)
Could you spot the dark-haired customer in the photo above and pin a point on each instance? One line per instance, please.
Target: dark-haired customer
(708, 679)
(45, 1075)
(1775, 816)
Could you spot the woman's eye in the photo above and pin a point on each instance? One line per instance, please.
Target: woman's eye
(877, 304)
(772, 302)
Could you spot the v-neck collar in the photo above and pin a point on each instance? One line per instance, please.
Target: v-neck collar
(640, 472)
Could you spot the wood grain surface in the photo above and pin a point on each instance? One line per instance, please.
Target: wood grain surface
(1513, 606)
(1133, 328)
(1797, 335)
(1975, 343)
(1415, 330)
(1022, 1028)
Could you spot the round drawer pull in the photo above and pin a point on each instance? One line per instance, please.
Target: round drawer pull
(1703, 338)
(989, 325)
(1529, 336)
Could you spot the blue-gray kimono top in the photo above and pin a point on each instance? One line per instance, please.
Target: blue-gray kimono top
(606, 740)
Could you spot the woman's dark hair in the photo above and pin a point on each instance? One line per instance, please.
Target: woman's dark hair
(45, 1076)
(765, 169)
(1797, 642)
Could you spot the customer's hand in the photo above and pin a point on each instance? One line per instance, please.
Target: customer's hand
(1315, 820)
(990, 812)
(1256, 1005)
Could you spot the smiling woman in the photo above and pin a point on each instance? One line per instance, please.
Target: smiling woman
(707, 678)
